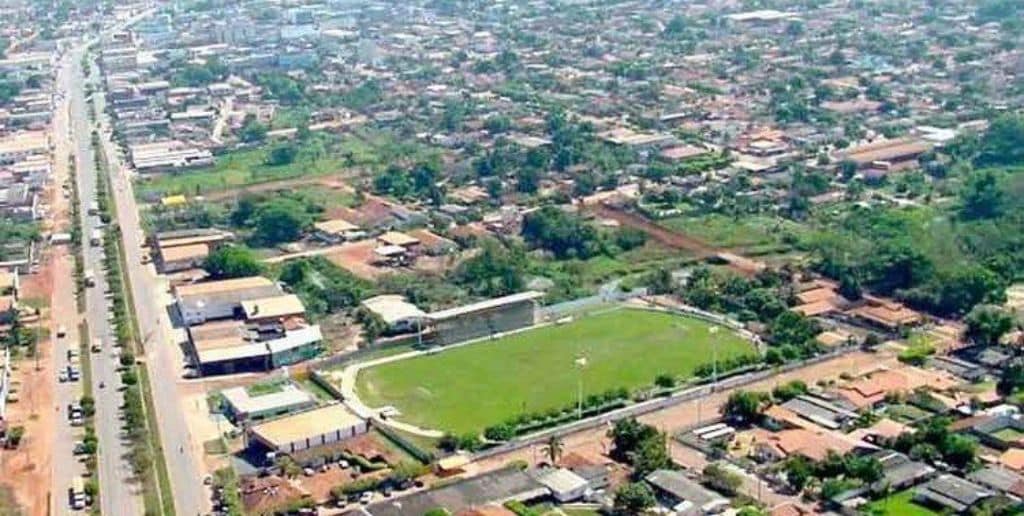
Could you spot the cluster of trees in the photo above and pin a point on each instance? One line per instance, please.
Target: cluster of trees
(324, 287)
(197, 75)
(275, 220)
(889, 252)
(419, 182)
(761, 298)
(496, 271)
(252, 131)
(281, 87)
(944, 266)
(836, 473)
(933, 442)
(764, 298)
(233, 261)
(986, 324)
(568, 236)
(527, 167)
(524, 423)
(641, 446)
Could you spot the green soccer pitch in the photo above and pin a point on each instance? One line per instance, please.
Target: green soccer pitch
(466, 389)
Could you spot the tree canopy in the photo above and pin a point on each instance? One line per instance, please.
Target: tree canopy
(232, 262)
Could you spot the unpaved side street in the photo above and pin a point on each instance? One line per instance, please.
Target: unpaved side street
(594, 444)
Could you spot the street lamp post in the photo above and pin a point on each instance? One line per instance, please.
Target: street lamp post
(580, 362)
(714, 360)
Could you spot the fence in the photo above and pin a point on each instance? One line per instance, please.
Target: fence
(559, 310)
(647, 407)
(411, 448)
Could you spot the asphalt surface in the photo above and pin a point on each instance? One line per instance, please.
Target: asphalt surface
(161, 339)
(64, 467)
(119, 492)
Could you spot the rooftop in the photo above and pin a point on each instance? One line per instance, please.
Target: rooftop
(488, 304)
(184, 252)
(274, 306)
(287, 396)
(392, 308)
(217, 287)
(306, 425)
(478, 491)
(335, 226)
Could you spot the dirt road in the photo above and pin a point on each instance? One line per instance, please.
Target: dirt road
(332, 182)
(658, 232)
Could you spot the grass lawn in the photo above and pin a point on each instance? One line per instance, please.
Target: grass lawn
(748, 231)
(898, 504)
(1008, 434)
(469, 388)
(236, 169)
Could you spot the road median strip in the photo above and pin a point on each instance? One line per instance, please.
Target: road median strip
(147, 455)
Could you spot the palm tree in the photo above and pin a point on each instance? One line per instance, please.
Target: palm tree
(553, 449)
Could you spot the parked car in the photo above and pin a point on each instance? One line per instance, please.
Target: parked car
(366, 497)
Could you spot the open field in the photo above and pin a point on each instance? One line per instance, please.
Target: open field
(469, 388)
(749, 232)
(236, 169)
(900, 503)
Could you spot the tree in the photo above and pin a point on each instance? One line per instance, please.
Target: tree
(651, 455)
(850, 288)
(788, 391)
(564, 234)
(495, 271)
(791, 328)
(280, 220)
(252, 130)
(659, 281)
(959, 450)
(721, 479)
(798, 472)
(282, 154)
(982, 196)
(627, 434)
(289, 468)
(553, 449)
(633, 498)
(232, 262)
(1011, 377)
(1002, 144)
(986, 324)
(665, 381)
(500, 432)
(744, 406)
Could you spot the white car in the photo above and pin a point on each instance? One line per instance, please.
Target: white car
(366, 498)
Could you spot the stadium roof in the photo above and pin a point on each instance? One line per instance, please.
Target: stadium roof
(488, 304)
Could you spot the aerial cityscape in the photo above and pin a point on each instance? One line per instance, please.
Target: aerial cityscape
(511, 257)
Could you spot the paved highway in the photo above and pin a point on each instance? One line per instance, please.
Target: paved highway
(119, 494)
(163, 354)
(63, 464)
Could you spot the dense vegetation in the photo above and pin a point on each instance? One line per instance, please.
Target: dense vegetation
(323, 287)
(945, 258)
